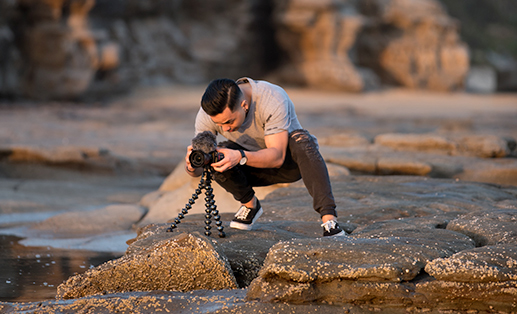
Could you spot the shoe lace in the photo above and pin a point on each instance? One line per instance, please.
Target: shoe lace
(243, 212)
(329, 225)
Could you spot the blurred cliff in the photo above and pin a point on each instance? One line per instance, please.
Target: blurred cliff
(72, 49)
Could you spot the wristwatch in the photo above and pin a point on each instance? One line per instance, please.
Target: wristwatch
(244, 159)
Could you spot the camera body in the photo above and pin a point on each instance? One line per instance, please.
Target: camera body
(199, 159)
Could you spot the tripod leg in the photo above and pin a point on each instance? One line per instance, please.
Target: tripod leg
(187, 207)
(213, 208)
(210, 210)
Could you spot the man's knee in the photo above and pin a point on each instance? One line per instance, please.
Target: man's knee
(302, 141)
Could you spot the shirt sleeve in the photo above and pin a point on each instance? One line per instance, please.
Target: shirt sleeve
(277, 117)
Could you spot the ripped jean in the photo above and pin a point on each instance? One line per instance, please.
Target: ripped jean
(302, 161)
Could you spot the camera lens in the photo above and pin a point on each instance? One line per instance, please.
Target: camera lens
(197, 159)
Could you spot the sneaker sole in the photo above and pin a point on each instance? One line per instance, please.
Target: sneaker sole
(248, 227)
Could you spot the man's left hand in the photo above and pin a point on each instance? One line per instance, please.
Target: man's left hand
(230, 160)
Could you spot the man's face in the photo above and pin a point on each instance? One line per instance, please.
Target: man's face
(231, 121)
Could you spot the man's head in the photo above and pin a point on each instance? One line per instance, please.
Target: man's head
(225, 103)
(219, 94)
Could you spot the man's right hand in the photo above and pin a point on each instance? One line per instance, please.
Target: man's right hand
(194, 172)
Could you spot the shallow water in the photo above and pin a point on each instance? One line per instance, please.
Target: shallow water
(30, 274)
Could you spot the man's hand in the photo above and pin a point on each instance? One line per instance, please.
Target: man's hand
(194, 172)
(230, 160)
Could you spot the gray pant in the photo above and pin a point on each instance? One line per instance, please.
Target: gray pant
(303, 161)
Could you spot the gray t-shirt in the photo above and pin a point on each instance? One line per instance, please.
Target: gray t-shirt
(271, 111)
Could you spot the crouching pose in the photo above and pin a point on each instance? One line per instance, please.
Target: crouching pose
(266, 145)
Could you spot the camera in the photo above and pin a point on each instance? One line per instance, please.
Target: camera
(204, 150)
(199, 159)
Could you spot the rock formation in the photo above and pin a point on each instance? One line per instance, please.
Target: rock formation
(432, 242)
(317, 37)
(412, 242)
(412, 43)
(64, 49)
(58, 49)
(485, 158)
(183, 263)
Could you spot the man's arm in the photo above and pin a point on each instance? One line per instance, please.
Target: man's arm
(270, 157)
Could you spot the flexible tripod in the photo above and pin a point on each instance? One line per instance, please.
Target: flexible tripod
(211, 208)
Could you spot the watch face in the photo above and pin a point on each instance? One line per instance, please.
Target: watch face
(244, 159)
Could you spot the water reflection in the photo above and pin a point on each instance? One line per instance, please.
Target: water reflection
(33, 273)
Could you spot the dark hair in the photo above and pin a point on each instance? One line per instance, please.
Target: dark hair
(219, 94)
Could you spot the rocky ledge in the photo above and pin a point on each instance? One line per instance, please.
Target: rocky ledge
(414, 244)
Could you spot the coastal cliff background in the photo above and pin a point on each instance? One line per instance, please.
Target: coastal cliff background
(87, 49)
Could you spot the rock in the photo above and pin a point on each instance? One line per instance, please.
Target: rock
(182, 263)
(349, 269)
(60, 52)
(396, 226)
(506, 67)
(499, 171)
(364, 200)
(109, 57)
(302, 271)
(415, 142)
(376, 159)
(344, 140)
(481, 80)
(191, 42)
(359, 268)
(432, 243)
(65, 154)
(341, 293)
(484, 146)
(87, 223)
(9, 55)
(316, 37)
(90, 47)
(488, 227)
(89, 158)
(404, 166)
(412, 43)
(486, 264)
(362, 159)
(245, 251)
(467, 296)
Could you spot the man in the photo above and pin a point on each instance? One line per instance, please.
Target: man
(266, 145)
